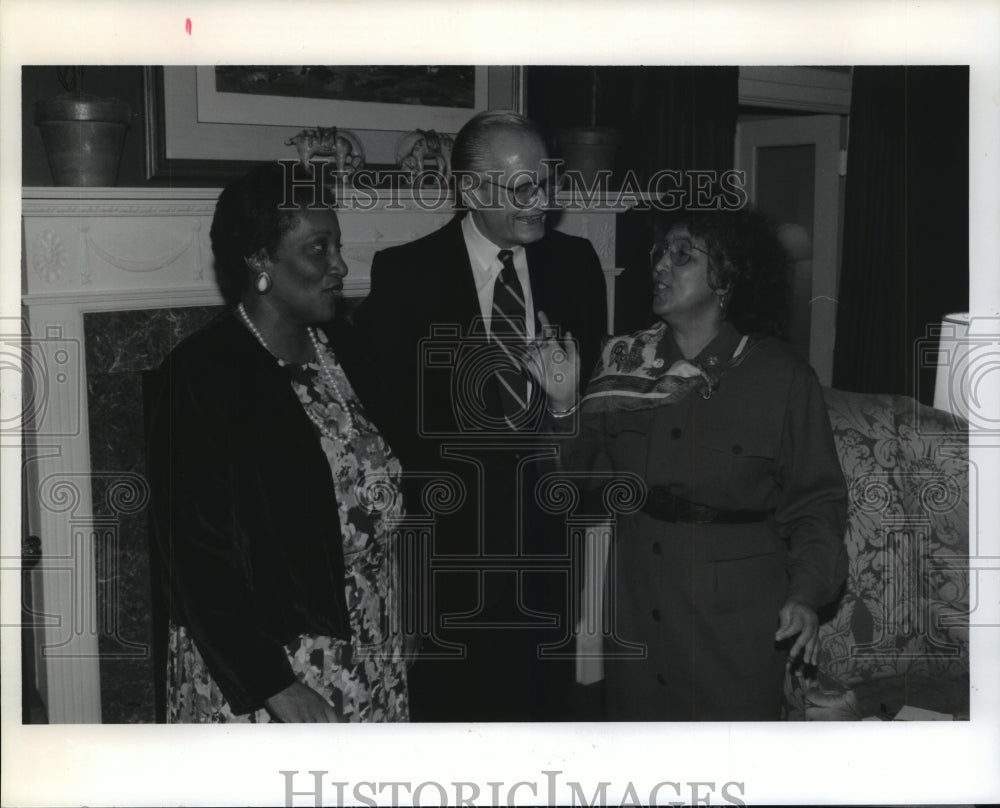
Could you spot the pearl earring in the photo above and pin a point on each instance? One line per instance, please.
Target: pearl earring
(262, 283)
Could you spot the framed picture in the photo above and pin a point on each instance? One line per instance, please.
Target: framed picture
(208, 124)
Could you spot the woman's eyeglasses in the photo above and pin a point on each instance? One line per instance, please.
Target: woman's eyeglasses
(679, 251)
(525, 193)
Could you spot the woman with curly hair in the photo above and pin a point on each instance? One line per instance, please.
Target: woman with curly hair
(715, 583)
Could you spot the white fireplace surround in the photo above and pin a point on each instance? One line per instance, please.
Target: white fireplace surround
(114, 249)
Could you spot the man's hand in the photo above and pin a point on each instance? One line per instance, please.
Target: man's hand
(555, 365)
(300, 704)
(797, 618)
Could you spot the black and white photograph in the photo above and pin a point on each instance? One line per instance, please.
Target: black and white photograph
(596, 424)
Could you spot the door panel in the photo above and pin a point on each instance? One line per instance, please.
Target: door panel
(791, 166)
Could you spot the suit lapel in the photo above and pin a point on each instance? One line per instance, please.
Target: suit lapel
(540, 273)
(451, 300)
(458, 299)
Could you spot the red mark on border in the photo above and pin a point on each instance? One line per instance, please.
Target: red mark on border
(187, 26)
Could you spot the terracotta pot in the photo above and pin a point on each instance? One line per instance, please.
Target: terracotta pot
(84, 136)
(589, 150)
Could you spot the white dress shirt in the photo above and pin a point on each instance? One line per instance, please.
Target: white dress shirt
(486, 267)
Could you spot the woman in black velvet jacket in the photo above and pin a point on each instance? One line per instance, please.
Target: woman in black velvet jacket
(274, 494)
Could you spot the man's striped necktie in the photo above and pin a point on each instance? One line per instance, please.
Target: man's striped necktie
(509, 332)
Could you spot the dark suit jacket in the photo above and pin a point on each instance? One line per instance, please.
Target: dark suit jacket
(244, 510)
(430, 392)
(429, 284)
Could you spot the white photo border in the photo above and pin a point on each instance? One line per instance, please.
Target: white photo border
(872, 763)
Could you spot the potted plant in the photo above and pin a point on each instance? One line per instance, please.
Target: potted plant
(83, 134)
(590, 149)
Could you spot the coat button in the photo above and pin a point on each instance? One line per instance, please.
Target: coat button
(656, 615)
(675, 433)
(656, 548)
(660, 678)
(737, 449)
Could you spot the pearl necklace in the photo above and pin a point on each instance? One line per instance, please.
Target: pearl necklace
(325, 373)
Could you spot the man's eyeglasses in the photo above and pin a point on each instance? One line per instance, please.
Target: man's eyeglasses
(526, 193)
(678, 249)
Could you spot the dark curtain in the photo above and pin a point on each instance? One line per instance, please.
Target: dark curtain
(669, 118)
(679, 118)
(676, 118)
(906, 224)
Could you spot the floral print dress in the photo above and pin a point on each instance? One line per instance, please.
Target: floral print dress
(364, 678)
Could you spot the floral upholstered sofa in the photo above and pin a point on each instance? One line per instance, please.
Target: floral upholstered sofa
(899, 633)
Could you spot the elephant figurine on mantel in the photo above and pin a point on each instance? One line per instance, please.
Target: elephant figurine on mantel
(424, 150)
(340, 144)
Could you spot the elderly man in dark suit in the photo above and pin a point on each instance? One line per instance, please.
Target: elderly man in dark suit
(449, 328)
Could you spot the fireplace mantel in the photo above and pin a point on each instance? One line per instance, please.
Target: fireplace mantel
(119, 249)
(117, 245)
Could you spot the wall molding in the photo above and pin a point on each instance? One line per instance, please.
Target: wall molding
(810, 89)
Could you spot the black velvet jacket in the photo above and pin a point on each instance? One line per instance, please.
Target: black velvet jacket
(244, 510)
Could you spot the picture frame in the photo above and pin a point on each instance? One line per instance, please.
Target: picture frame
(182, 146)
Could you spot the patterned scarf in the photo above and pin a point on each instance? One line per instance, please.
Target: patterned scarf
(630, 375)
